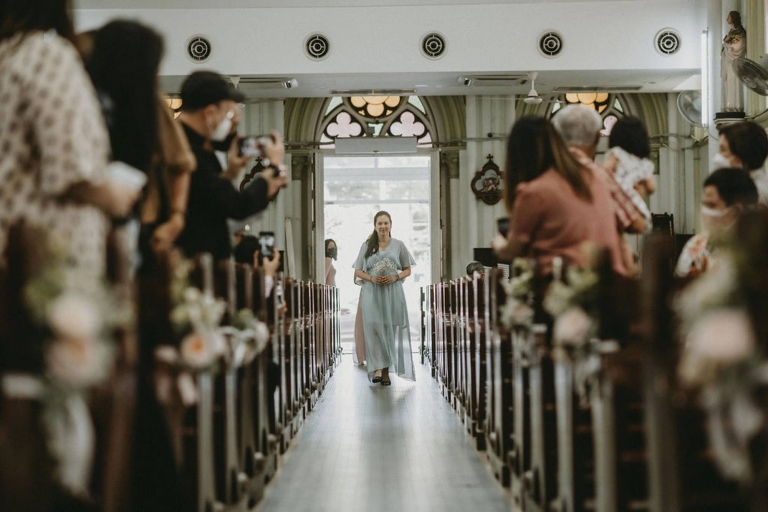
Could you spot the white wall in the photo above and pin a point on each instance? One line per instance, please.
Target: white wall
(481, 38)
(476, 223)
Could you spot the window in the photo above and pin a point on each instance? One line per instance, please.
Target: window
(609, 106)
(375, 116)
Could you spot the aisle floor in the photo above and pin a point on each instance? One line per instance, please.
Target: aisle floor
(368, 448)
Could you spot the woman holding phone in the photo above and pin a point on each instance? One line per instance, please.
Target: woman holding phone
(382, 265)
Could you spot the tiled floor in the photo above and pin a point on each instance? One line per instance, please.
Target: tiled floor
(367, 448)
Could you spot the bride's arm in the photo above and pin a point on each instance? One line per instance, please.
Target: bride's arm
(364, 276)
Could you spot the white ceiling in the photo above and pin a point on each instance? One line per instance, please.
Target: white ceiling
(245, 4)
(440, 84)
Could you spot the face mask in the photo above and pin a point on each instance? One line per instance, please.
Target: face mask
(224, 145)
(720, 162)
(712, 220)
(331, 253)
(225, 126)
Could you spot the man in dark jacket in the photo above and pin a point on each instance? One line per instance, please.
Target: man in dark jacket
(210, 113)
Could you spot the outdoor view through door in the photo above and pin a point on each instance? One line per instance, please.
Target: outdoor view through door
(355, 189)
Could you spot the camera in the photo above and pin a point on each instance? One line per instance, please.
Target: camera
(503, 226)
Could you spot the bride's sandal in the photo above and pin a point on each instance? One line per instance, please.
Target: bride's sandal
(376, 378)
(386, 382)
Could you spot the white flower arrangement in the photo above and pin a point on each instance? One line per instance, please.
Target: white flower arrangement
(571, 303)
(74, 313)
(199, 316)
(247, 338)
(383, 267)
(721, 359)
(516, 312)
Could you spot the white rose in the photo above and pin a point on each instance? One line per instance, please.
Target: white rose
(721, 338)
(572, 327)
(196, 351)
(72, 317)
(78, 363)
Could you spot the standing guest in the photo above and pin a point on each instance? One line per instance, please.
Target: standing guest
(210, 109)
(53, 166)
(123, 59)
(745, 145)
(580, 128)
(382, 264)
(331, 253)
(557, 206)
(728, 193)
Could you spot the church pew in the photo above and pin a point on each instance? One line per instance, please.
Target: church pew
(683, 476)
(477, 362)
(499, 423)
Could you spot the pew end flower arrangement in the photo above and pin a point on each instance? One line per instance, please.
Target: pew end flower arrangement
(517, 310)
(74, 316)
(721, 360)
(203, 343)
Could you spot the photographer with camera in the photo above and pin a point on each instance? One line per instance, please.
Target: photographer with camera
(209, 115)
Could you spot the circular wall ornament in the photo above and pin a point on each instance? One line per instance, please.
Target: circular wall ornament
(667, 41)
(433, 45)
(317, 47)
(199, 48)
(550, 44)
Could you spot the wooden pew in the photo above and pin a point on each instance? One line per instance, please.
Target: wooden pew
(499, 423)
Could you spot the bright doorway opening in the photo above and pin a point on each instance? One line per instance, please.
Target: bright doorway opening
(355, 188)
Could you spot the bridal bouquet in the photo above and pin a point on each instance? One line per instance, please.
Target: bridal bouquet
(384, 267)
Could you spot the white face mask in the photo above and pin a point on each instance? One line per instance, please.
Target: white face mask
(223, 129)
(715, 214)
(720, 162)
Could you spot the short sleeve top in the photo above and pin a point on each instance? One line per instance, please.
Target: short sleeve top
(52, 136)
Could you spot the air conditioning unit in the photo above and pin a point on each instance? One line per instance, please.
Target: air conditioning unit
(493, 80)
(261, 82)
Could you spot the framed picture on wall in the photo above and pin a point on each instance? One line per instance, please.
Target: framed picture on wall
(488, 182)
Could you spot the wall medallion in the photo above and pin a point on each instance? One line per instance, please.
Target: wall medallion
(487, 183)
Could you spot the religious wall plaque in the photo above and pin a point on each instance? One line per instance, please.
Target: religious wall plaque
(487, 183)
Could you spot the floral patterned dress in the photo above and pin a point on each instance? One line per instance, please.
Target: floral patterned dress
(52, 135)
(385, 312)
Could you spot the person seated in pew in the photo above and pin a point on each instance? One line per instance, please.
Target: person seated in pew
(475, 266)
(210, 113)
(727, 194)
(557, 205)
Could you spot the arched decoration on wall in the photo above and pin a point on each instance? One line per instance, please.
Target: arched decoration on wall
(375, 116)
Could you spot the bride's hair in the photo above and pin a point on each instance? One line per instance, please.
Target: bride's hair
(373, 240)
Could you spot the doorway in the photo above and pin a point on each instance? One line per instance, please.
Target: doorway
(354, 189)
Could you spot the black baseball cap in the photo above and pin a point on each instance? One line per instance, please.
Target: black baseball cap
(203, 88)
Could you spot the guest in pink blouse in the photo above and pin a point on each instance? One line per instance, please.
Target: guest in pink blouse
(556, 205)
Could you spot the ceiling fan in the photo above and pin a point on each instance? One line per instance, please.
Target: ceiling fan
(533, 97)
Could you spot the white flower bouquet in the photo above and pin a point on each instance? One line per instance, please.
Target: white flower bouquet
(383, 267)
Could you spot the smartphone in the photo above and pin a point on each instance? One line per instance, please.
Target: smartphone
(503, 226)
(267, 244)
(250, 146)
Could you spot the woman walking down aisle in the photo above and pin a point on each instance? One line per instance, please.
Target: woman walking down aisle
(382, 264)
